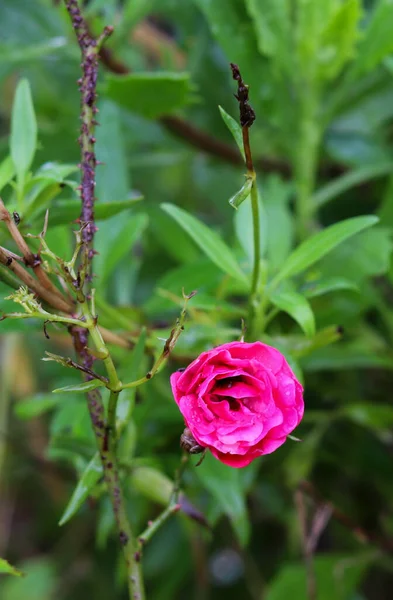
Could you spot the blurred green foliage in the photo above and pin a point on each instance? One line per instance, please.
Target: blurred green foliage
(321, 84)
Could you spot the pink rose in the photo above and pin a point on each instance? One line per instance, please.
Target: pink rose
(239, 400)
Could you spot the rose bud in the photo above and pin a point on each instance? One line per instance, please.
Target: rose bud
(239, 401)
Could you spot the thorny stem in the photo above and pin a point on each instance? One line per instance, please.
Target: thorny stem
(105, 436)
(247, 118)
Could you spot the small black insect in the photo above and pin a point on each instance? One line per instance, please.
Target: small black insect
(16, 217)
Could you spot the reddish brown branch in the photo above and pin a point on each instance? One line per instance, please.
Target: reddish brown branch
(363, 535)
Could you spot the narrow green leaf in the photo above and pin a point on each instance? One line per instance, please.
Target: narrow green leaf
(7, 171)
(324, 286)
(207, 240)
(133, 228)
(81, 387)
(242, 194)
(84, 487)
(320, 244)
(23, 140)
(226, 485)
(151, 95)
(352, 179)
(235, 129)
(8, 569)
(244, 225)
(298, 308)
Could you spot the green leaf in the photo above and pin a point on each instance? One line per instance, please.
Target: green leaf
(150, 95)
(378, 417)
(272, 22)
(81, 387)
(279, 227)
(40, 581)
(131, 232)
(66, 211)
(352, 179)
(320, 244)
(226, 485)
(338, 39)
(38, 405)
(89, 479)
(5, 567)
(231, 27)
(235, 130)
(242, 194)
(130, 372)
(244, 227)
(152, 484)
(377, 41)
(303, 455)
(316, 288)
(207, 240)
(23, 140)
(337, 576)
(366, 255)
(298, 308)
(7, 171)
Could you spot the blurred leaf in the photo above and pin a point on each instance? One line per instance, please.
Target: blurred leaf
(338, 38)
(323, 286)
(64, 212)
(279, 227)
(367, 254)
(374, 416)
(8, 569)
(225, 484)
(353, 355)
(242, 194)
(38, 584)
(7, 171)
(130, 371)
(132, 230)
(377, 41)
(233, 30)
(88, 480)
(244, 227)
(81, 387)
(297, 307)
(208, 241)
(272, 23)
(150, 94)
(303, 455)
(152, 484)
(165, 230)
(235, 130)
(320, 244)
(337, 576)
(37, 405)
(349, 180)
(23, 140)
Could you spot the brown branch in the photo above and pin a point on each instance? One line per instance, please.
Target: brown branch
(361, 534)
(36, 286)
(30, 259)
(307, 550)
